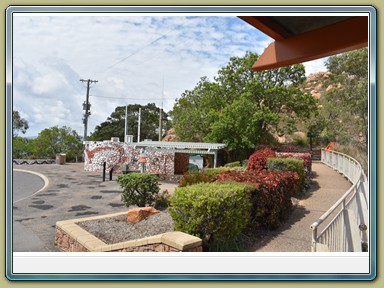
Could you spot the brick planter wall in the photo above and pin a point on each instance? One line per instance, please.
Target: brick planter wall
(70, 237)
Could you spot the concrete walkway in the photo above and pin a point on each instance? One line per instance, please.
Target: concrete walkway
(295, 235)
(73, 193)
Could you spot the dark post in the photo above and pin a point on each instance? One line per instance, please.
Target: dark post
(104, 168)
(310, 135)
(110, 174)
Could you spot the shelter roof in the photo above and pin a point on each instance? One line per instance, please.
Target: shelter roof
(303, 38)
(181, 145)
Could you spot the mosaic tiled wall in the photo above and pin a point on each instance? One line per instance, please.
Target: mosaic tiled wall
(115, 154)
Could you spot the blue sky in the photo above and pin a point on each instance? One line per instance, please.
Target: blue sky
(135, 59)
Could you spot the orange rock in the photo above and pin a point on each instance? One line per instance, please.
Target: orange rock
(140, 213)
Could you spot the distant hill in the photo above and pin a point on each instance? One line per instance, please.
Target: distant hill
(314, 84)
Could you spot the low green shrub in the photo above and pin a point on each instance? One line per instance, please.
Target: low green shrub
(307, 158)
(202, 176)
(138, 188)
(162, 200)
(289, 164)
(215, 212)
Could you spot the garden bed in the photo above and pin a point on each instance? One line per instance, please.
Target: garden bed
(111, 233)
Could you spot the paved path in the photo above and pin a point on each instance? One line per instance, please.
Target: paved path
(74, 193)
(71, 193)
(295, 235)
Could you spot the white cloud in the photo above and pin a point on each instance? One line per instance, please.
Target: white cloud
(129, 56)
(315, 66)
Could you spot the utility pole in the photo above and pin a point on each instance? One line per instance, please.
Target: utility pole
(126, 123)
(87, 106)
(161, 115)
(138, 126)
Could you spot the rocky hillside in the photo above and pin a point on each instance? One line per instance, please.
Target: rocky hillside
(315, 84)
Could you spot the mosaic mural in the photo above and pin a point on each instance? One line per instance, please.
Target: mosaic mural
(116, 154)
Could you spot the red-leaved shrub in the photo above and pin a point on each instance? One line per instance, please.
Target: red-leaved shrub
(258, 160)
(286, 148)
(271, 197)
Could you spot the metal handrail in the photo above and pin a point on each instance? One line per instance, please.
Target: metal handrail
(349, 228)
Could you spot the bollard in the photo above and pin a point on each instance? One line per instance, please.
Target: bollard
(104, 167)
(110, 174)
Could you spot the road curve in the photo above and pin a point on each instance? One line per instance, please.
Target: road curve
(27, 183)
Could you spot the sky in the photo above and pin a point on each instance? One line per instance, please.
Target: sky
(135, 59)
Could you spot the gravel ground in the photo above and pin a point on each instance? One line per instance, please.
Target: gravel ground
(116, 229)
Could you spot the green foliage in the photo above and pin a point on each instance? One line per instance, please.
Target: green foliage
(22, 148)
(138, 188)
(195, 110)
(162, 200)
(115, 124)
(233, 164)
(241, 107)
(18, 124)
(54, 140)
(240, 124)
(203, 176)
(343, 116)
(270, 195)
(289, 164)
(215, 212)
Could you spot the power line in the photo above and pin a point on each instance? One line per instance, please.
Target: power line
(138, 50)
(127, 98)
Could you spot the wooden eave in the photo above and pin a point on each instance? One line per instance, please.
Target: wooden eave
(289, 48)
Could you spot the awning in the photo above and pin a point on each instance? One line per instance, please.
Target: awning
(303, 38)
(184, 147)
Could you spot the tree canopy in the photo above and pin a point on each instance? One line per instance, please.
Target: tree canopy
(19, 124)
(343, 115)
(242, 107)
(115, 124)
(54, 140)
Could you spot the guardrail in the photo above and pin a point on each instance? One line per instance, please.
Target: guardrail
(348, 229)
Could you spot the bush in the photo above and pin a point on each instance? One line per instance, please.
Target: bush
(270, 196)
(306, 157)
(233, 164)
(258, 160)
(289, 164)
(202, 176)
(138, 188)
(161, 200)
(215, 212)
(286, 148)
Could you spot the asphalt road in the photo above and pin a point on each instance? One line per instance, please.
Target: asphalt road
(25, 185)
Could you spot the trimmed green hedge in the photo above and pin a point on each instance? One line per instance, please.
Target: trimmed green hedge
(270, 196)
(138, 188)
(289, 164)
(202, 176)
(215, 212)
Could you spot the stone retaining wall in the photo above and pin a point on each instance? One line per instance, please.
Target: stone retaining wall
(70, 237)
